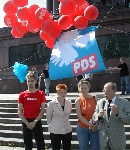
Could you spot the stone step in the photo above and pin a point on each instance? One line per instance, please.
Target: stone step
(15, 110)
(18, 121)
(16, 142)
(48, 99)
(15, 115)
(15, 105)
(18, 127)
(18, 134)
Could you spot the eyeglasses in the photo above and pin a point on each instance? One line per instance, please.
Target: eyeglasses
(106, 91)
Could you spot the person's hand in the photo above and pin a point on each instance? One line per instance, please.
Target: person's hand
(94, 127)
(31, 125)
(114, 108)
(101, 113)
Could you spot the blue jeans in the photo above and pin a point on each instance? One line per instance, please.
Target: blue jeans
(125, 84)
(86, 135)
(47, 83)
(38, 135)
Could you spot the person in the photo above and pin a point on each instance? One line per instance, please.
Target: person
(45, 74)
(86, 129)
(88, 76)
(78, 78)
(57, 114)
(37, 76)
(112, 112)
(31, 108)
(124, 74)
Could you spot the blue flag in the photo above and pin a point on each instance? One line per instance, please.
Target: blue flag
(75, 52)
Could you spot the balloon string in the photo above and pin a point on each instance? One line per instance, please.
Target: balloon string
(114, 29)
(105, 16)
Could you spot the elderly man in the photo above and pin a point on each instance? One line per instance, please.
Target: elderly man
(112, 112)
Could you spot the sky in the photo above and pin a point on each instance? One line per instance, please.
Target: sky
(40, 3)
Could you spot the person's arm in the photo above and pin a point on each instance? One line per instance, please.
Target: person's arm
(76, 78)
(122, 115)
(81, 118)
(20, 114)
(40, 115)
(115, 68)
(49, 112)
(98, 114)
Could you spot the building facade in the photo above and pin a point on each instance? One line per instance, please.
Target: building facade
(112, 36)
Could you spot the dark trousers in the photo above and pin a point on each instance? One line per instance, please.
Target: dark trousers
(57, 138)
(36, 85)
(38, 135)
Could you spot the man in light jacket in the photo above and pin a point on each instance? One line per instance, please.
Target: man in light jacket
(112, 117)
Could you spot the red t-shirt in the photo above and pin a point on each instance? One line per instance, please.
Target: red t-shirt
(31, 103)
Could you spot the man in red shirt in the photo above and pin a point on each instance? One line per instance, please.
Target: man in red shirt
(31, 108)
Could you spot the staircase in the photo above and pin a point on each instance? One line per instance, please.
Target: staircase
(10, 123)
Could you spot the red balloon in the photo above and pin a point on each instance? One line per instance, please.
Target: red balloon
(10, 20)
(42, 14)
(48, 26)
(80, 8)
(33, 25)
(50, 43)
(24, 14)
(43, 36)
(55, 34)
(20, 3)
(65, 22)
(91, 12)
(66, 7)
(21, 27)
(15, 34)
(32, 9)
(78, 2)
(10, 8)
(80, 22)
(73, 16)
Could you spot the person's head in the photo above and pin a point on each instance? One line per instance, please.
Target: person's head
(84, 86)
(46, 65)
(31, 79)
(33, 68)
(61, 90)
(122, 60)
(109, 90)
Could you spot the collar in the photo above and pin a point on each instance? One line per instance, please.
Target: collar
(113, 100)
(56, 101)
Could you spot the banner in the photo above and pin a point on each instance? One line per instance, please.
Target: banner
(75, 52)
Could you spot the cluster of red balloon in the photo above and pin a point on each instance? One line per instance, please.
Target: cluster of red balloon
(34, 19)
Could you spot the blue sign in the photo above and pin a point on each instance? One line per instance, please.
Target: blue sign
(75, 52)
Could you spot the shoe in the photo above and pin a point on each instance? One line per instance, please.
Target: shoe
(122, 94)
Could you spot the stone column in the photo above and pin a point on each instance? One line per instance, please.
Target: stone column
(55, 7)
(49, 5)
